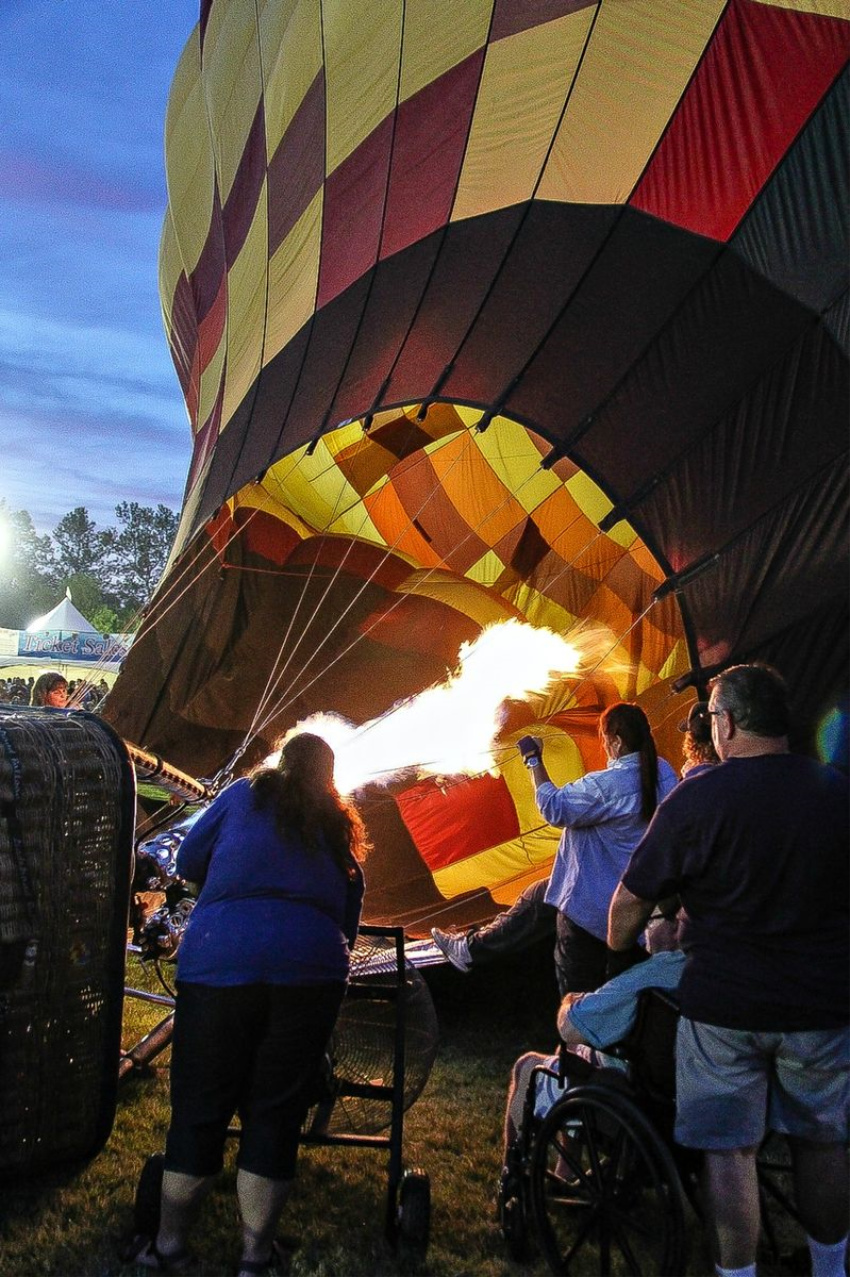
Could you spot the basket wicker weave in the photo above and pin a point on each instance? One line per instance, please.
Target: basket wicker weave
(67, 793)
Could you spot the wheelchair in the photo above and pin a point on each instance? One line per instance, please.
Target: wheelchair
(598, 1178)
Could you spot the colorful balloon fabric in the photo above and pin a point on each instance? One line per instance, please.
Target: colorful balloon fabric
(502, 310)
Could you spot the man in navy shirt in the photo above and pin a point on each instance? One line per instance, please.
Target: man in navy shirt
(757, 849)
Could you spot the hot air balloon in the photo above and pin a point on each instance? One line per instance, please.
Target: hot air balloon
(493, 312)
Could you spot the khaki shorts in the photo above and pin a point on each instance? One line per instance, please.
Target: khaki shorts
(732, 1085)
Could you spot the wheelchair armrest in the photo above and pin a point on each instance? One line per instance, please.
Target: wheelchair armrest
(576, 1070)
(620, 1050)
(573, 1065)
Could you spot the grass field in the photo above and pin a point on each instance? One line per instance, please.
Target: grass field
(71, 1223)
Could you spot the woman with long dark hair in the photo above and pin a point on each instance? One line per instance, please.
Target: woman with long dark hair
(604, 816)
(261, 972)
(50, 689)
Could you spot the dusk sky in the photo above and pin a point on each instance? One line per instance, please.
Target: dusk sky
(90, 408)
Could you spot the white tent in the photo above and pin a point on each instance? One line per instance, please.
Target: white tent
(64, 617)
(64, 637)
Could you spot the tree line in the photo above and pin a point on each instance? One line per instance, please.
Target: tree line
(110, 571)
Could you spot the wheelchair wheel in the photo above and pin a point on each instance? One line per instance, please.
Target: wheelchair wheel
(414, 1215)
(512, 1206)
(603, 1184)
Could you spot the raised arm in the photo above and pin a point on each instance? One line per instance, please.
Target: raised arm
(531, 750)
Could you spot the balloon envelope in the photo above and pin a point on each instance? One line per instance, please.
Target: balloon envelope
(490, 311)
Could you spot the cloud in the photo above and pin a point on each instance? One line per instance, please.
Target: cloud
(54, 461)
(30, 179)
(83, 365)
(89, 415)
(90, 408)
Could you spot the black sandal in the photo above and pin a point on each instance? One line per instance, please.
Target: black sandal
(148, 1250)
(278, 1260)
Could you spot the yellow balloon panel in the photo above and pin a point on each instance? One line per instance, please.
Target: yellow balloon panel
(361, 69)
(257, 497)
(464, 596)
(625, 95)
(538, 609)
(233, 83)
(514, 459)
(437, 36)
(826, 8)
(189, 157)
(246, 311)
(170, 266)
(291, 43)
(500, 868)
(318, 491)
(293, 275)
(519, 107)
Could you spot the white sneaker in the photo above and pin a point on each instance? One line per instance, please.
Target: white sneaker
(455, 948)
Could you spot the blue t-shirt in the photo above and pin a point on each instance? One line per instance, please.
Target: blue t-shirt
(602, 824)
(606, 1016)
(270, 909)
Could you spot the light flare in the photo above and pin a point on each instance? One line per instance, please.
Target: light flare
(452, 729)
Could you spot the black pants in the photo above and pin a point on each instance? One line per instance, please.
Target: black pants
(254, 1049)
(582, 960)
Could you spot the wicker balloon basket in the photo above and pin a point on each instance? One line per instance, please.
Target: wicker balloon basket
(67, 803)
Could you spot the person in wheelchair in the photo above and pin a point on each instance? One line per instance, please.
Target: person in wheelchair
(587, 1024)
(588, 1159)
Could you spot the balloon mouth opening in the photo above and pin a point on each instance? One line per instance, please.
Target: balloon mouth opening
(414, 533)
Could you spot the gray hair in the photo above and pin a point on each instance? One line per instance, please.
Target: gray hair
(756, 697)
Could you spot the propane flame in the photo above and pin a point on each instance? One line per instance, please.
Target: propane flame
(451, 729)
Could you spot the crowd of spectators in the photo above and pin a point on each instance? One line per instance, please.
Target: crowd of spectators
(16, 691)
